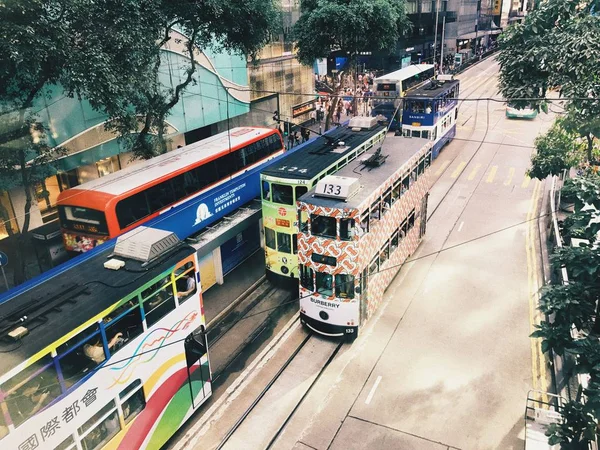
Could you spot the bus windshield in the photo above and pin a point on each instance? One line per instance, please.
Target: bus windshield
(77, 218)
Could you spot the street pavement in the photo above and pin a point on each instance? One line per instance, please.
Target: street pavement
(447, 362)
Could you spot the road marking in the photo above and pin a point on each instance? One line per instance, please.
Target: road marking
(442, 167)
(526, 182)
(492, 174)
(458, 170)
(474, 172)
(511, 174)
(533, 345)
(461, 225)
(370, 396)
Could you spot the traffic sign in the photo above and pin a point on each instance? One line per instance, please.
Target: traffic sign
(3, 259)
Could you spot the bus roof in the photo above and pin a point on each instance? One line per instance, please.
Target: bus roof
(127, 179)
(431, 89)
(84, 291)
(399, 150)
(405, 73)
(317, 155)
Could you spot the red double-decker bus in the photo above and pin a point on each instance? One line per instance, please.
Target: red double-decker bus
(102, 209)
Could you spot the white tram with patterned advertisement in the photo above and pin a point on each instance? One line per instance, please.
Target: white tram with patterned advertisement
(357, 228)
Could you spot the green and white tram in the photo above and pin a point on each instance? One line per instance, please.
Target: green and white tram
(286, 181)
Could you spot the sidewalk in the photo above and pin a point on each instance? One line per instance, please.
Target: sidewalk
(235, 283)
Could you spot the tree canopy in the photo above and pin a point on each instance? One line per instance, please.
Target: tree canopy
(348, 25)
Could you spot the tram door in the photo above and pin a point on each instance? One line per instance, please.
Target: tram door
(423, 226)
(196, 346)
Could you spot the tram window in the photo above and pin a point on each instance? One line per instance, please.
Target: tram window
(270, 238)
(456, 114)
(416, 133)
(418, 107)
(159, 305)
(364, 224)
(347, 229)
(375, 211)
(434, 135)
(79, 337)
(324, 284)
(266, 191)
(387, 201)
(132, 403)
(411, 219)
(67, 444)
(101, 432)
(282, 194)
(385, 253)
(413, 175)
(403, 229)
(406, 132)
(428, 160)
(421, 168)
(82, 358)
(394, 241)
(303, 220)
(322, 225)
(284, 243)
(405, 184)
(128, 326)
(396, 191)
(294, 244)
(425, 134)
(30, 391)
(3, 427)
(300, 191)
(306, 277)
(332, 170)
(344, 286)
(374, 266)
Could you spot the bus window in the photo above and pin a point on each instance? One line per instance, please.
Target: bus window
(266, 191)
(159, 304)
(306, 277)
(347, 229)
(284, 244)
(374, 266)
(300, 191)
(387, 201)
(125, 321)
(282, 194)
(270, 238)
(133, 400)
(425, 134)
(100, 432)
(303, 220)
(394, 242)
(375, 213)
(324, 284)
(322, 225)
(31, 390)
(132, 209)
(160, 196)
(344, 286)
(82, 219)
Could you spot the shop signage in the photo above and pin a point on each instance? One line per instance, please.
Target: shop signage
(303, 108)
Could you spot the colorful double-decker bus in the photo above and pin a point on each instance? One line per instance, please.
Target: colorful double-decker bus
(285, 181)
(99, 210)
(390, 88)
(357, 228)
(431, 111)
(110, 354)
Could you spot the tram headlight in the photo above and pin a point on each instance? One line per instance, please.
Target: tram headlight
(284, 270)
(284, 260)
(323, 315)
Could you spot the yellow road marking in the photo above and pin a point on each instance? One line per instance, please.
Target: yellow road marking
(534, 359)
(526, 182)
(511, 174)
(442, 167)
(458, 170)
(492, 174)
(473, 172)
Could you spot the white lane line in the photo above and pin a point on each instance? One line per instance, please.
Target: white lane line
(370, 396)
(461, 225)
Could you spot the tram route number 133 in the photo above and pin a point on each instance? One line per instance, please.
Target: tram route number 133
(332, 189)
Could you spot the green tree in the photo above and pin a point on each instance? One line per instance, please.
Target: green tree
(557, 47)
(351, 26)
(576, 430)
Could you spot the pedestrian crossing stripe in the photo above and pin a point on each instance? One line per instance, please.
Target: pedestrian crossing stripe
(474, 172)
(442, 167)
(525, 182)
(492, 174)
(511, 174)
(458, 170)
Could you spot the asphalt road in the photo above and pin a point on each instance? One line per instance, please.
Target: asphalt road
(447, 361)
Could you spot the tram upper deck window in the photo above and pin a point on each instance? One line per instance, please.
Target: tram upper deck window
(374, 266)
(413, 175)
(160, 303)
(282, 194)
(266, 190)
(415, 133)
(425, 134)
(125, 321)
(347, 229)
(385, 254)
(303, 220)
(405, 183)
(411, 219)
(284, 243)
(394, 241)
(306, 277)
(406, 132)
(375, 213)
(324, 283)
(300, 191)
(30, 390)
(322, 225)
(386, 205)
(270, 238)
(421, 167)
(364, 224)
(396, 191)
(82, 353)
(417, 107)
(344, 286)
(428, 159)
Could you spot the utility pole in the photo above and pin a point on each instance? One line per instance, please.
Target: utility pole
(437, 17)
(442, 46)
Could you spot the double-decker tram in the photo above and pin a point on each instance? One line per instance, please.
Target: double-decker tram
(357, 228)
(431, 111)
(285, 181)
(390, 88)
(111, 354)
(102, 209)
